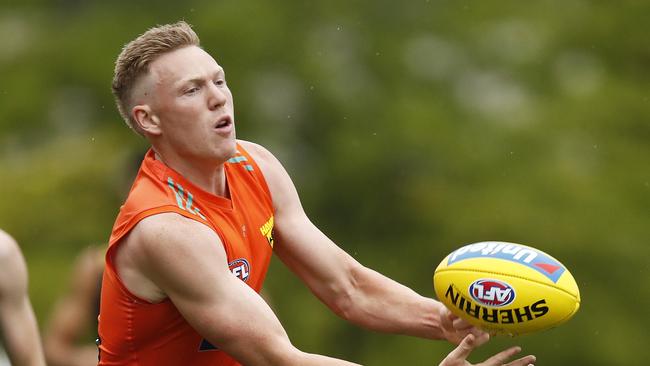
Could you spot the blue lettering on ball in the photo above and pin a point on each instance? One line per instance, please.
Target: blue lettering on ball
(527, 256)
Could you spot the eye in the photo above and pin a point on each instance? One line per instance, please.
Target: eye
(191, 90)
(219, 82)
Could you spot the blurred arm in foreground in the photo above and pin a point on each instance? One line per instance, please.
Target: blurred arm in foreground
(17, 321)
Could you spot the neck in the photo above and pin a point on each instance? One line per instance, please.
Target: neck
(210, 176)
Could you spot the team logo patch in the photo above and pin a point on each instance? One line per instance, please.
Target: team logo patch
(492, 293)
(267, 231)
(240, 268)
(527, 256)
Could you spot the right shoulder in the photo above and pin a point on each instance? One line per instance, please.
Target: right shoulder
(162, 252)
(168, 231)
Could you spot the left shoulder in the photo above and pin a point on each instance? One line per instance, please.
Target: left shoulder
(283, 192)
(257, 151)
(267, 162)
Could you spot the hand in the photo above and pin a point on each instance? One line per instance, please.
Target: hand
(458, 357)
(454, 329)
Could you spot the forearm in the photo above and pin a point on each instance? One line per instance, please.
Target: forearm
(379, 303)
(308, 359)
(254, 337)
(295, 357)
(269, 345)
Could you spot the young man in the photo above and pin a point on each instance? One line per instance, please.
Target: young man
(191, 246)
(18, 328)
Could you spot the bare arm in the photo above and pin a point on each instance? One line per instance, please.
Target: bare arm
(352, 291)
(167, 255)
(73, 314)
(17, 321)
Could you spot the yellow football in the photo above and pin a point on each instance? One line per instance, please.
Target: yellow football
(506, 288)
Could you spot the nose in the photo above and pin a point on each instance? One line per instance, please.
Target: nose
(217, 96)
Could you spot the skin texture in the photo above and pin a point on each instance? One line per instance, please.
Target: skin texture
(181, 106)
(74, 313)
(17, 321)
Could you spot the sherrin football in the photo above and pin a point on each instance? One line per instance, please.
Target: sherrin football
(506, 288)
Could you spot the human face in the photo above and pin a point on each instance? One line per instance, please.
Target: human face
(191, 106)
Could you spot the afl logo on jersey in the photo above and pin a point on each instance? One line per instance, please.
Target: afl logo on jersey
(240, 268)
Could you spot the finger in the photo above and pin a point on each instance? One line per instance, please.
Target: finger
(503, 356)
(524, 361)
(467, 345)
(479, 332)
(463, 350)
(481, 339)
(448, 313)
(447, 316)
(446, 319)
(461, 324)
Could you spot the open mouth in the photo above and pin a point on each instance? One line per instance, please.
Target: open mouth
(223, 122)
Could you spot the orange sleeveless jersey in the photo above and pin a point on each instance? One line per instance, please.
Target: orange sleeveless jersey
(134, 331)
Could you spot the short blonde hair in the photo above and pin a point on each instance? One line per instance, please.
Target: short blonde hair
(136, 56)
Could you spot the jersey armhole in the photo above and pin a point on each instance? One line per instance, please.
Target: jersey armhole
(115, 243)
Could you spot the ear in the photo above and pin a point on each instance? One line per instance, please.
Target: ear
(148, 122)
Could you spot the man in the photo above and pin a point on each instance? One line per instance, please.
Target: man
(191, 246)
(18, 327)
(66, 338)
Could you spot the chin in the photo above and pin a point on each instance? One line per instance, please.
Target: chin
(228, 149)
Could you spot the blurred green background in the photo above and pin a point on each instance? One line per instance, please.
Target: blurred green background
(410, 128)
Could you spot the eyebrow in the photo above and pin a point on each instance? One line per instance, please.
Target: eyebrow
(199, 79)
